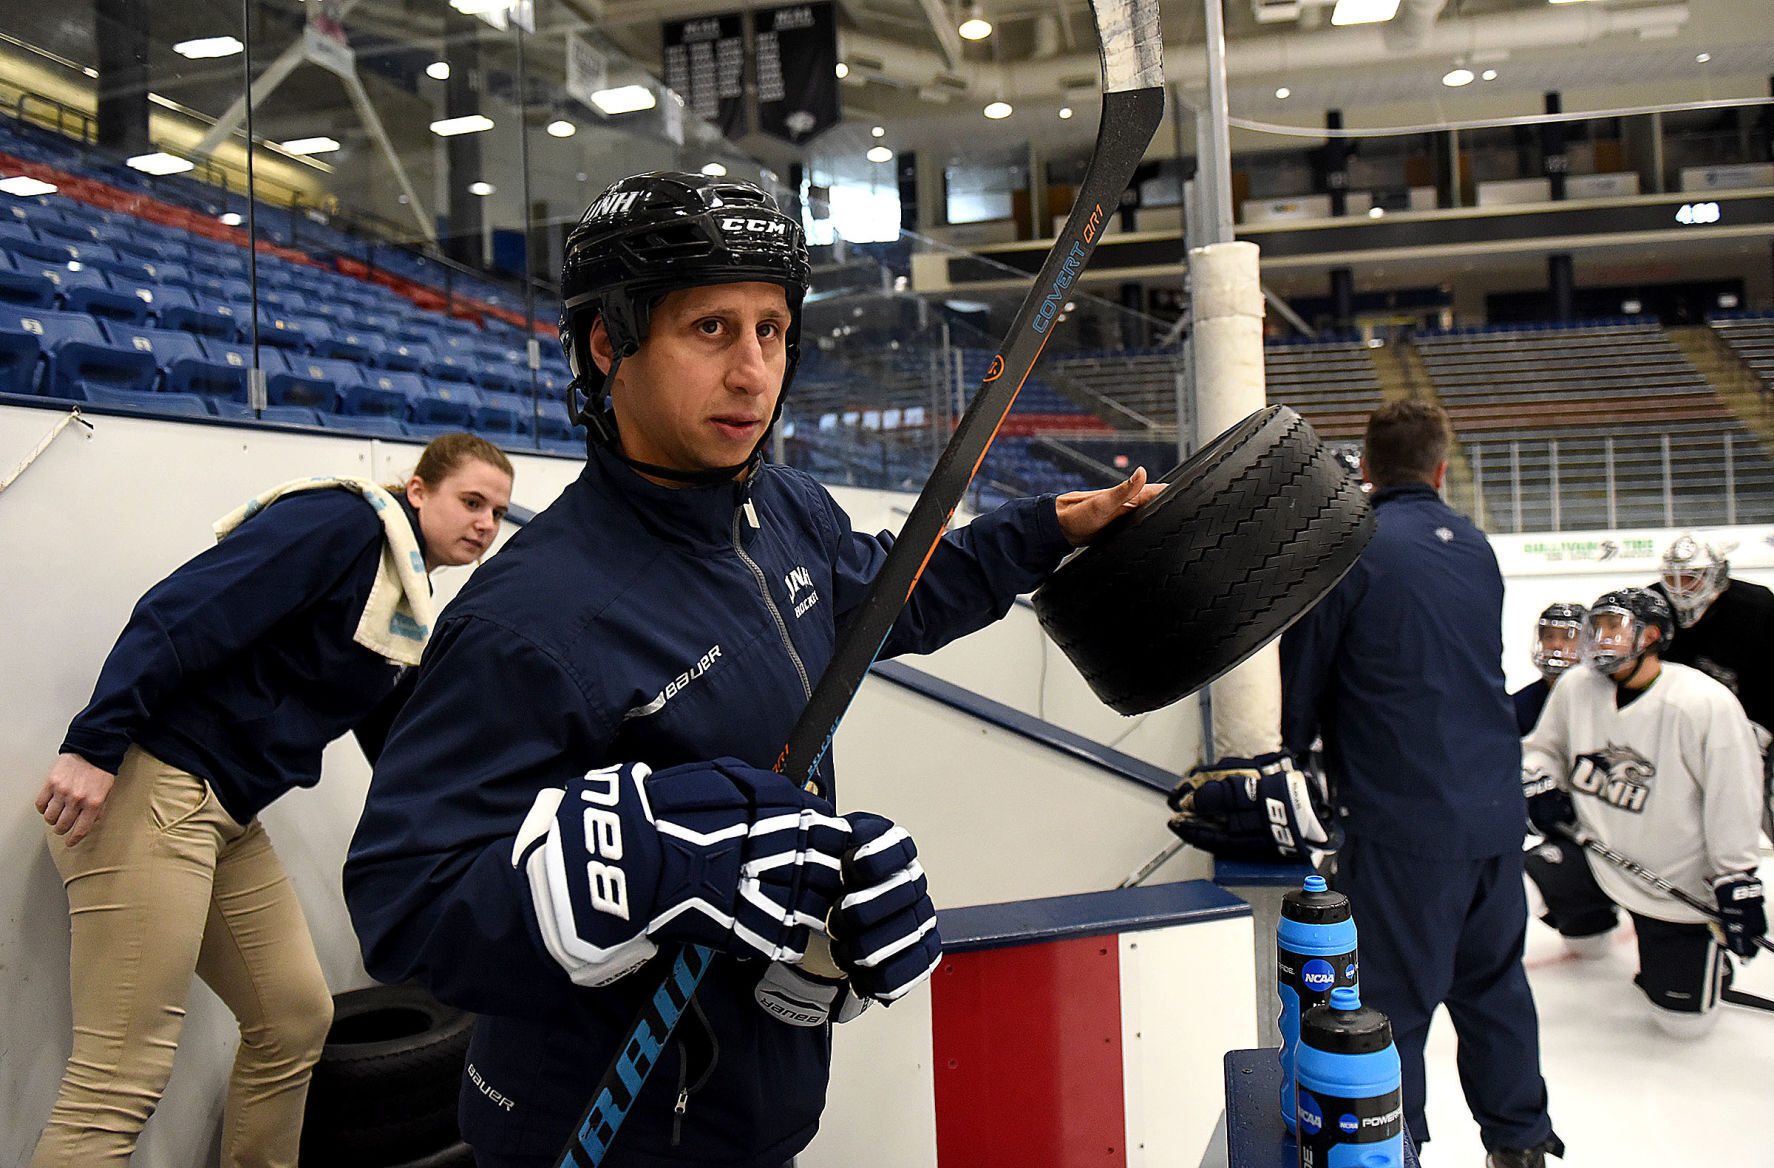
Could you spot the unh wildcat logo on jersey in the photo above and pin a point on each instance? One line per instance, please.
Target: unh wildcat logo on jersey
(1617, 775)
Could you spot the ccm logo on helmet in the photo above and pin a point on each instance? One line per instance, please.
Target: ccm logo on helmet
(754, 226)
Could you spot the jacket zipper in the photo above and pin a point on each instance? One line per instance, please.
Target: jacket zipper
(686, 1089)
(745, 508)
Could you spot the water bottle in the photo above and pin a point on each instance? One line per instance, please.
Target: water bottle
(1350, 1106)
(1314, 954)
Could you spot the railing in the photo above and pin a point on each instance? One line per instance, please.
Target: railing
(1606, 480)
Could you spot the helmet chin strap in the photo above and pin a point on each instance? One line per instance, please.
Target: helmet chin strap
(602, 425)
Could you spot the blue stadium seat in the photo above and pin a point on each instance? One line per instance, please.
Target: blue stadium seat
(183, 404)
(449, 402)
(172, 274)
(351, 344)
(207, 316)
(21, 348)
(27, 289)
(501, 413)
(381, 425)
(573, 446)
(224, 373)
(316, 382)
(54, 229)
(384, 392)
(430, 430)
(551, 420)
(168, 346)
(283, 332)
(453, 365)
(80, 357)
(18, 239)
(406, 356)
(101, 298)
(283, 415)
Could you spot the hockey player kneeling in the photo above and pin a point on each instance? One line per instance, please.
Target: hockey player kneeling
(737, 859)
(1262, 808)
(1656, 760)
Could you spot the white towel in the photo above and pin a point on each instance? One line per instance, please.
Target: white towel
(397, 619)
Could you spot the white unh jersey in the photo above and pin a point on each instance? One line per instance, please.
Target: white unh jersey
(1672, 781)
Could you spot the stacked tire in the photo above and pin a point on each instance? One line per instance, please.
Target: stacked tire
(385, 1090)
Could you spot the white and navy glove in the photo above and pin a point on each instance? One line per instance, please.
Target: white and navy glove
(884, 928)
(1551, 811)
(1262, 808)
(884, 941)
(719, 854)
(1742, 920)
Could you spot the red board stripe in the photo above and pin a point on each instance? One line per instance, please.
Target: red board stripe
(1027, 1046)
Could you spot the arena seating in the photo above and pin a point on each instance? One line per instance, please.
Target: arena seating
(1751, 337)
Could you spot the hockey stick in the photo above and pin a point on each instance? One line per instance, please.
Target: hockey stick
(1635, 869)
(1740, 998)
(1130, 47)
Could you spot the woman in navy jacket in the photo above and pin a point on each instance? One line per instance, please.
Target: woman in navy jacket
(582, 776)
(229, 679)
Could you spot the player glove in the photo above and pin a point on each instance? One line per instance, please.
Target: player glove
(1742, 919)
(1262, 808)
(720, 854)
(884, 929)
(1550, 809)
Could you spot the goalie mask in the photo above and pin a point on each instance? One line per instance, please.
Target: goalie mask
(1558, 639)
(662, 232)
(1694, 574)
(1616, 633)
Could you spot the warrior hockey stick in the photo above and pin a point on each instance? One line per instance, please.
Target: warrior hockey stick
(1130, 47)
(1637, 870)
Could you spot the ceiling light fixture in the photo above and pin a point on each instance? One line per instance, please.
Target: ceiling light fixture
(482, 189)
(843, 70)
(1702, 58)
(317, 145)
(975, 28)
(998, 110)
(24, 186)
(878, 131)
(204, 47)
(1376, 212)
(624, 99)
(438, 70)
(562, 128)
(160, 162)
(1363, 11)
(1065, 112)
(471, 124)
(880, 154)
(231, 219)
(1488, 75)
(714, 170)
(1284, 93)
(1454, 78)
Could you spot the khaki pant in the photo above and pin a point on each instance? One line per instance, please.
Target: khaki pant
(167, 885)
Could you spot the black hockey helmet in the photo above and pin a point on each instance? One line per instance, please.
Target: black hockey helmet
(659, 232)
(1623, 642)
(1557, 636)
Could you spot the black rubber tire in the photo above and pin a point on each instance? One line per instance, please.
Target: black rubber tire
(1254, 529)
(386, 1087)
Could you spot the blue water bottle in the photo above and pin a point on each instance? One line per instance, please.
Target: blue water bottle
(1314, 954)
(1350, 1106)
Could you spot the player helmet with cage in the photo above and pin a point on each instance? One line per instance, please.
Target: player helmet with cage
(1616, 633)
(1693, 574)
(660, 232)
(1557, 637)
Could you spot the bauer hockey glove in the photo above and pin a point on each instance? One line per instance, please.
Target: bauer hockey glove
(718, 853)
(1261, 808)
(1741, 916)
(1550, 809)
(884, 928)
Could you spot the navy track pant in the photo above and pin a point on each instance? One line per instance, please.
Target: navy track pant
(1435, 930)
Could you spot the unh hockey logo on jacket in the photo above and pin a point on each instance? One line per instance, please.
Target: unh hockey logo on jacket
(1617, 775)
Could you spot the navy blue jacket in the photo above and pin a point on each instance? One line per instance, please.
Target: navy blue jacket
(630, 622)
(240, 666)
(1529, 700)
(1401, 668)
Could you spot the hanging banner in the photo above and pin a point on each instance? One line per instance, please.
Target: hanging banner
(588, 70)
(705, 65)
(796, 65)
(323, 39)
